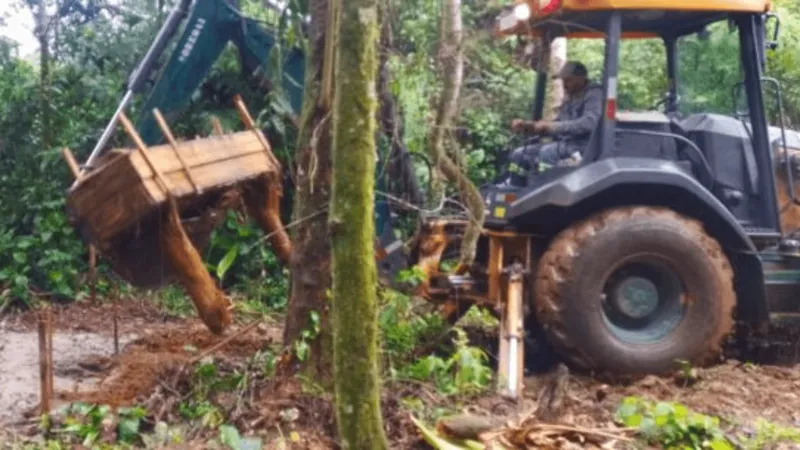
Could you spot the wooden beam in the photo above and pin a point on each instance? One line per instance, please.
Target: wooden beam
(74, 168)
(217, 125)
(45, 360)
(131, 130)
(251, 125)
(171, 139)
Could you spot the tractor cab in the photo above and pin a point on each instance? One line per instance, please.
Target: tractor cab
(727, 153)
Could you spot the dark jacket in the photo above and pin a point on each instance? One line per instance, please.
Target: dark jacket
(579, 116)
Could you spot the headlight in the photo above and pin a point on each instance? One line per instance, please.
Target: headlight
(522, 11)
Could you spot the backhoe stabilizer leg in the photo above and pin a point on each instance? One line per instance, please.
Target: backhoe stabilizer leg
(512, 359)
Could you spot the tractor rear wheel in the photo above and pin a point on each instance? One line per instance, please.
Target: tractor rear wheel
(634, 290)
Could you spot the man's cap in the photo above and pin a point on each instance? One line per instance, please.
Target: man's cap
(572, 68)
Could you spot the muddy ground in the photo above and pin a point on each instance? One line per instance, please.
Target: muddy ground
(154, 349)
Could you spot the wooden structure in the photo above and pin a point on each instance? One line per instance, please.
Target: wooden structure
(150, 211)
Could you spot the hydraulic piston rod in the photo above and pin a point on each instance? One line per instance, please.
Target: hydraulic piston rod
(137, 79)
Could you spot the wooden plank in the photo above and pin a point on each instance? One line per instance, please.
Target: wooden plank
(199, 152)
(121, 173)
(222, 176)
(129, 187)
(143, 150)
(171, 139)
(94, 188)
(216, 175)
(74, 168)
(121, 211)
(118, 213)
(202, 151)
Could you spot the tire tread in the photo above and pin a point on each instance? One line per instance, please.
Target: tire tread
(556, 264)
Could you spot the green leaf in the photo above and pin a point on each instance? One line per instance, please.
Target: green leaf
(229, 436)
(721, 444)
(227, 262)
(634, 420)
(128, 429)
(663, 409)
(21, 281)
(20, 257)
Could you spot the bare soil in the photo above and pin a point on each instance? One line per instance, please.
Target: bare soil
(155, 349)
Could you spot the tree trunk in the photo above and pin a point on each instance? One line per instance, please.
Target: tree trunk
(310, 262)
(557, 56)
(400, 172)
(354, 313)
(42, 32)
(452, 57)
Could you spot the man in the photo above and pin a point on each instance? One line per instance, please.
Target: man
(577, 119)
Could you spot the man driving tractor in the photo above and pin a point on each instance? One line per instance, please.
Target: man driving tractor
(576, 120)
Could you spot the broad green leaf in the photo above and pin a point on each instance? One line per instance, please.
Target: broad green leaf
(229, 436)
(227, 262)
(128, 429)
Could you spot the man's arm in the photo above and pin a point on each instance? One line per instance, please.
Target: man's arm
(587, 122)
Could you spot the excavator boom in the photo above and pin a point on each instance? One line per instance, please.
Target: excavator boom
(210, 25)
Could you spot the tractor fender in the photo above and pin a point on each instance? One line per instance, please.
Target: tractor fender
(614, 182)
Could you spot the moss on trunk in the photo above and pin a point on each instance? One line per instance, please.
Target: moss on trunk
(354, 312)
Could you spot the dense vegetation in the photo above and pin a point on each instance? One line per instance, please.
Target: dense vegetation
(64, 97)
(92, 55)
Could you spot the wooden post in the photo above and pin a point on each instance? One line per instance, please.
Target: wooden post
(168, 134)
(251, 125)
(93, 273)
(116, 317)
(131, 130)
(72, 163)
(217, 125)
(45, 360)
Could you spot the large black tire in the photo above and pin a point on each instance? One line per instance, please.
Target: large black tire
(582, 303)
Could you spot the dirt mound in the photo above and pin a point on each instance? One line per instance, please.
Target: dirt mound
(146, 362)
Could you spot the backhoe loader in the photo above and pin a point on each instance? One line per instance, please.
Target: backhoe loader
(670, 228)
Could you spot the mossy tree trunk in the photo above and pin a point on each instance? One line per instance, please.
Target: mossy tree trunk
(354, 313)
(310, 261)
(451, 56)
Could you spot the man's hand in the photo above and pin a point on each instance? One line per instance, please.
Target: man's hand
(538, 127)
(519, 125)
(543, 126)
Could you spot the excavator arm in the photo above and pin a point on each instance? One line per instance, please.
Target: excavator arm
(211, 25)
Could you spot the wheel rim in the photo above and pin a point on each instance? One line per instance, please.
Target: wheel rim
(642, 300)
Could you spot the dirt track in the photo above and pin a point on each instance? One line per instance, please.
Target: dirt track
(153, 347)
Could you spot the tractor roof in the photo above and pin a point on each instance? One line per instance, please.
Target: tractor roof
(641, 18)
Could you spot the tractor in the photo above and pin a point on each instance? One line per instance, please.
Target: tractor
(670, 229)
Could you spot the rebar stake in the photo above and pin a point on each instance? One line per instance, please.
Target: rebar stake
(115, 317)
(45, 360)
